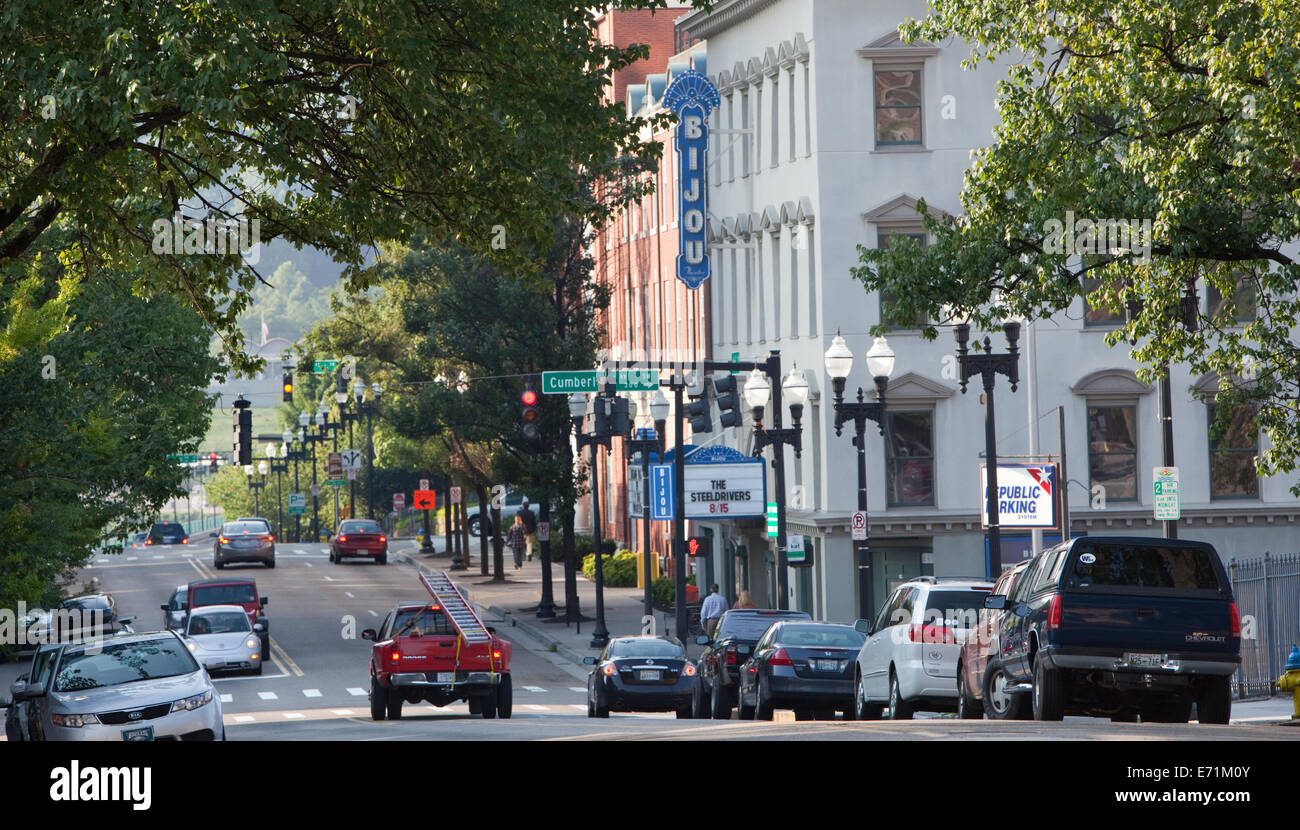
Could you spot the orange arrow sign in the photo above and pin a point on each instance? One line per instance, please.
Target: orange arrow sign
(423, 500)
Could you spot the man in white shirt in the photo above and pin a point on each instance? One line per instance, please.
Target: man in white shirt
(712, 609)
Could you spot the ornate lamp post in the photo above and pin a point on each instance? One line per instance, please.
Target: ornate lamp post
(598, 436)
(647, 442)
(880, 365)
(758, 390)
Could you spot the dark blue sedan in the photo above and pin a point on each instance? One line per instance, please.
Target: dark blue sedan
(641, 674)
(805, 666)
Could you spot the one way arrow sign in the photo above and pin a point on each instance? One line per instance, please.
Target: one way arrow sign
(423, 500)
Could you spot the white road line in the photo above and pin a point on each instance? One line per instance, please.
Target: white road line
(311, 692)
(244, 719)
(300, 551)
(342, 712)
(536, 708)
(132, 558)
(187, 556)
(159, 556)
(227, 698)
(578, 706)
(101, 560)
(355, 692)
(252, 677)
(350, 594)
(578, 689)
(329, 579)
(268, 695)
(294, 715)
(308, 564)
(371, 613)
(534, 689)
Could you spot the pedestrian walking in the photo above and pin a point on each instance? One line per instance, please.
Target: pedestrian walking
(712, 609)
(530, 529)
(744, 601)
(515, 539)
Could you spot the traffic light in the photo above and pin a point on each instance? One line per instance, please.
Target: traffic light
(621, 418)
(288, 387)
(698, 411)
(243, 432)
(698, 546)
(531, 415)
(724, 389)
(212, 461)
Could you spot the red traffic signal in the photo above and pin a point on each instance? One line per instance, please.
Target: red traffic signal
(530, 414)
(529, 398)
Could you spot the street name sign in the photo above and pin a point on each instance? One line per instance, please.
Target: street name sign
(321, 367)
(1027, 496)
(423, 500)
(1165, 493)
(592, 380)
(183, 459)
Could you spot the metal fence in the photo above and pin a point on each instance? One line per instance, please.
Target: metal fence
(1268, 596)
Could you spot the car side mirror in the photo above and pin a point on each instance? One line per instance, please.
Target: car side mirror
(32, 690)
(490, 629)
(702, 640)
(259, 627)
(164, 607)
(17, 687)
(264, 601)
(368, 634)
(862, 626)
(995, 602)
(589, 661)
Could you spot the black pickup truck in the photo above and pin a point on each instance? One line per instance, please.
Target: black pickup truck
(1122, 627)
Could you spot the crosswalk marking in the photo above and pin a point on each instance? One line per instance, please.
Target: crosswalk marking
(329, 579)
(534, 689)
(371, 613)
(159, 556)
(350, 594)
(244, 719)
(300, 551)
(537, 708)
(294, 715)
(355, 692)
(101, 560)
(308, 564)
(578, 706)
(343, 711)
(268, 695)
(132, 558)
(311, 692)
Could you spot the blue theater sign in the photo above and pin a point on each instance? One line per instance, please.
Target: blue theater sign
(692, 96)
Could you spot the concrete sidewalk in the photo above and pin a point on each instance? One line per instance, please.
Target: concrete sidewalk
(515, 601)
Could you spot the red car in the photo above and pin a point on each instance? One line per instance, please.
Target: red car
(977, 694)
(359, 537)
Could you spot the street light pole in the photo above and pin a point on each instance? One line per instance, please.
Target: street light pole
(988, 366)
(598, 436)
(645, 445)
(757, 390)
(880, 363)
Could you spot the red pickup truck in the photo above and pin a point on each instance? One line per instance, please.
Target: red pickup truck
(437, 651)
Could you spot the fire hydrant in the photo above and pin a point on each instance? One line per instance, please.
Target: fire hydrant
(1290, 682)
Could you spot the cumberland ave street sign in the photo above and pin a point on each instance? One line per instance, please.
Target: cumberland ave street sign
(591, 380)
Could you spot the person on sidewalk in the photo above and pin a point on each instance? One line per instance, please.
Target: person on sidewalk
(744, 601)
(712, 609)
(530, 528)
(515, 539)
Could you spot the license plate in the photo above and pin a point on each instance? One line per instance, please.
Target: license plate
(828, 665)
(144, 733)
(647, 675)
(1146, 661)
(446, 676)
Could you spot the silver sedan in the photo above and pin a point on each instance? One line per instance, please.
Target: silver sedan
(222, 640)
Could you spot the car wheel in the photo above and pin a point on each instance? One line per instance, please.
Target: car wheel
(862, 710)
(331, 555)
(383, 560)
(394, 705)
(719, 708)
(1049, 692)
(899, 709)
(505, 697)
(1214, 703)
(999, 704)
(591, 709)
(378, 701)
(475, 704)
(475, 526)
(684, 713)
(258, 670)
(763, 711)
(968, 708)
(602, 706)
(218, 564)
(270, 563)
(700, 702)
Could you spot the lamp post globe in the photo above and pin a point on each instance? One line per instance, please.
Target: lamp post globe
(577, 405)
(659, 407)
(358, 391)
(839, 359)
(795, 388)
(262, 466)
(880, 359)
(304, 418)
(757, 391)
(287, 437)
(374, 389)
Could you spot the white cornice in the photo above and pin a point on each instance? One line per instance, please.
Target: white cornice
(723, 15)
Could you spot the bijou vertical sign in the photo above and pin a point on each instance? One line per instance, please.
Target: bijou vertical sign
(692, 96)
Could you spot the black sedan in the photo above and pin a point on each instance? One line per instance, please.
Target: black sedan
(733, 641)
(641, 674)
(805, 666)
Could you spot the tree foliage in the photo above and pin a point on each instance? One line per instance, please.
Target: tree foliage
(1180, 114)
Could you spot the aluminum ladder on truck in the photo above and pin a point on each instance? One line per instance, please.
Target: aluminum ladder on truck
(471, 628)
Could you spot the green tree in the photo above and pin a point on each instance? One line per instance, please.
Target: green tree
(1182, 114)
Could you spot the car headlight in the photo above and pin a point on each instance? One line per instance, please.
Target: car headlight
(193, 646)
(252, 642)
(193, 702)
(74, 721)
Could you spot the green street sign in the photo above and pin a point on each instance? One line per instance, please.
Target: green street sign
(772, 524)
(183, 459)
(336, 483)
(297, 504)
(626, 380)
(735, 358)
(1165, 493)
(322, 367)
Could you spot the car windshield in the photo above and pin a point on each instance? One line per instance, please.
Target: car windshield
(424, 622)
(957, 609)
(88, 603)
(244, 527)
(820, 636)
(648, 647)
(1144, 566)
(360, 527)
(224, 595)
(752, 626)
(109, 665)
(221, 622)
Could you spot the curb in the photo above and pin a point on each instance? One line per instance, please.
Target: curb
(531, 629)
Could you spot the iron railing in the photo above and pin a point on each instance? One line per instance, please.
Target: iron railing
(1267, 591)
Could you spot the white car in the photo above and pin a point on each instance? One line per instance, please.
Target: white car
(221, 639)
(909, 660)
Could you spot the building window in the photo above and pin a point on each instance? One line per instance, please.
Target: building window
(1232, 456)
(789, 83)
(910, 470)
(898, 106)
(885, 241)
(1100, 316)
(1239, 308)
(731, 151)
(807, 112)
(758, 129)
(1112, 450)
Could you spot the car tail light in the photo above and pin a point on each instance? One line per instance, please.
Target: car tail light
(268, 538)
(185, 541)
(609, 669)
(383, 538)
(781, 658)
(496, 655)
(223, 541)
(343, 538)
(395, 656)
(435, 607)
(1236, 619)
(731, 656)
(931, 634)
(1054, 613)
(148, 541)
(688, 670)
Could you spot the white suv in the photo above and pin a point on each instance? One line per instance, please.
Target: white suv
(909, 660)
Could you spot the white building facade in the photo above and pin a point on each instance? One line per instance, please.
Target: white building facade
(848, 128)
